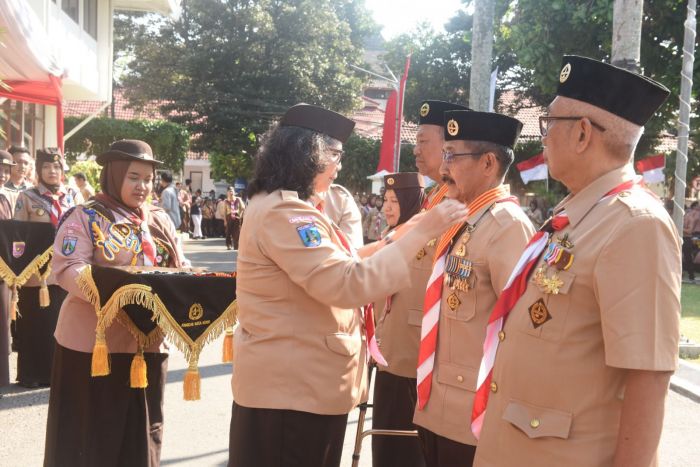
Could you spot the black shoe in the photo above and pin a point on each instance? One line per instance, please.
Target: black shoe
(32, 385)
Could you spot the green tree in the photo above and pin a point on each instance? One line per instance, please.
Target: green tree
(169, 141)
(226, 68)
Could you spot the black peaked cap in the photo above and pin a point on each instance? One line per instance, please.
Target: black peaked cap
(433, 112)
(482, 126)
(631, 96)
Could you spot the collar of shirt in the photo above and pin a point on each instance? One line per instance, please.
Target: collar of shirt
(578, 205)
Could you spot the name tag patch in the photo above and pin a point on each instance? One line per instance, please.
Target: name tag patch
(309, 234)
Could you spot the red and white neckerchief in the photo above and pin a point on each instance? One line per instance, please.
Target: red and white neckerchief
(56, 211)
(513, 290)
(367, 310)
(433, 295)
(148, 245)
(440, 194)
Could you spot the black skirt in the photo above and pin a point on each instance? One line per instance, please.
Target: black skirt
(4, 335)
(35, 329)
(284, 438)
(393, 406)
(102, 422)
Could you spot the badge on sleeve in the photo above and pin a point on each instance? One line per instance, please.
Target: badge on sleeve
(18, 249)
(69, 245)
(309, 234)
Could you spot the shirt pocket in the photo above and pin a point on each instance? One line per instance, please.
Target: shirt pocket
(460, 382)
(549, 323)
(467, 301)
(415, 317)
(343, 344)
(538, 422)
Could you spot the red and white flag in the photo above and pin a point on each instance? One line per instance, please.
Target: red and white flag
(533, 168)
(652, 168)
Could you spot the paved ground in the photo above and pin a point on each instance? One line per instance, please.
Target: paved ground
(196, 433)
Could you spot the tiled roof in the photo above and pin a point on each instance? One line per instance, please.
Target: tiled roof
(369, 122)
(122, 111)
(524, 110)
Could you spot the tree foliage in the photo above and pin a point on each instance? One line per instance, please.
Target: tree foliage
(169, 141)
(226, 68)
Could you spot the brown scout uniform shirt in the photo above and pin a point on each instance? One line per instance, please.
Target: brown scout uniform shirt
(8, 198)
(300, 343)
(559, 386)
(77, 319)
(340, 207)
(398, 333)
(494, 248)
(31, 206)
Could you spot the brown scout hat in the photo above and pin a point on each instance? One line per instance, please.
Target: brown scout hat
(6, 158)
(399, 180)
(48, 155)
(128, 150)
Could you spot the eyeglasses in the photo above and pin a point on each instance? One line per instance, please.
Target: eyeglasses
(335, 155)
(544, 123)
(451, 156)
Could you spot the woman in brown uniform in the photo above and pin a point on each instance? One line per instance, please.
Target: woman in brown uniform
(301, 344)
(7, 206)
(102, 421)
(48, 201)
(398, 332)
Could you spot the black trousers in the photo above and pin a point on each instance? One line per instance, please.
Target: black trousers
(443, 452)
(393, 406)
(689, 251)
(284, 438)
(233, 231)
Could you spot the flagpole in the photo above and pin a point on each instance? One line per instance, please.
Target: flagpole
(684, 117)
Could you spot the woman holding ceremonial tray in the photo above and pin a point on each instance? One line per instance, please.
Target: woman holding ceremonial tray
(103, 421)
(40, 299)
(301, 347)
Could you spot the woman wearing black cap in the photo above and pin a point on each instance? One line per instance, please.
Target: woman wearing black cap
(47, 202)
(398, 333)
(102, 421)
(303, 338)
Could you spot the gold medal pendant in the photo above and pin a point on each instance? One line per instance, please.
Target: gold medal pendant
(421, 254)
(461, 251)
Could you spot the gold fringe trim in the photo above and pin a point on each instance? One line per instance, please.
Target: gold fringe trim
(87, 286)
(32, 268)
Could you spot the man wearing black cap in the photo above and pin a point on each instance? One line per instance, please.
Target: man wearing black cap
(302, 343)
(591, 339)
(471, 267)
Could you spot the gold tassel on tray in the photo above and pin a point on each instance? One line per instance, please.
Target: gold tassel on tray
(13, 304)
(44, 299)
(139, 377)
(192, 383)
(100, 356)
(227, 356)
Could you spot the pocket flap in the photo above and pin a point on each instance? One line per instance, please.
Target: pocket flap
(538, 422)
(458, 376)
(415, 317)
(343, 344)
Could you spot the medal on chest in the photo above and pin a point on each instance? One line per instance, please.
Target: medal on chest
(458, 268)
(558, 257)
